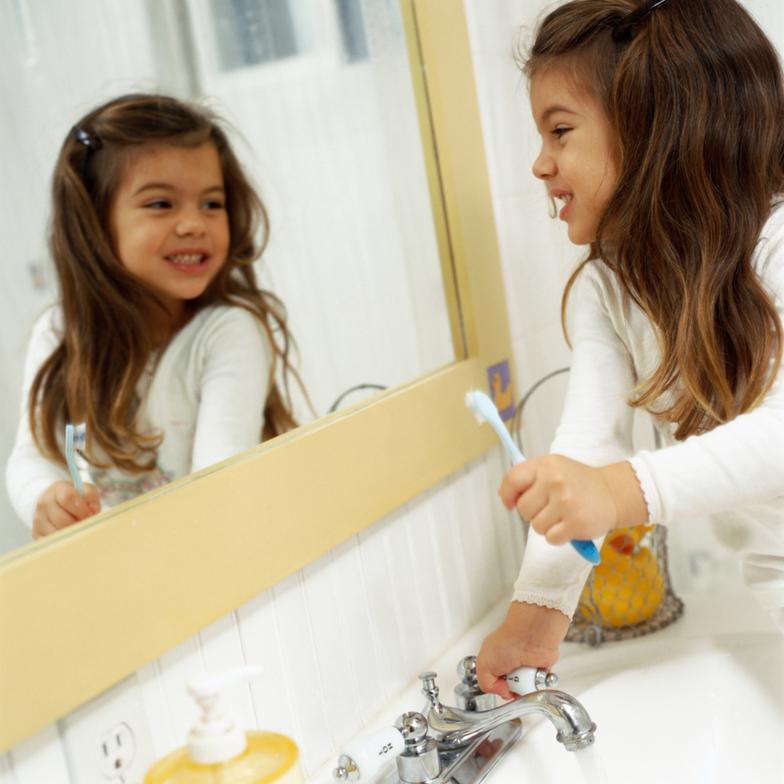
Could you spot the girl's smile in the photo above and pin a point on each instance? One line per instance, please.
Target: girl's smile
(576, 160)
(169, 223)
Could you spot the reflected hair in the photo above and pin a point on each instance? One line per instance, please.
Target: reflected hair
(693, 92)
(93, 373)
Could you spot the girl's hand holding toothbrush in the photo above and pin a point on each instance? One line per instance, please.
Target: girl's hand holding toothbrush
(60, 505)
(564, 499)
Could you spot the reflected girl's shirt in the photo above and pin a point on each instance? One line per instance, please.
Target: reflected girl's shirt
(205, 394)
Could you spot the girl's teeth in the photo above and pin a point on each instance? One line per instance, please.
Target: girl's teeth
(191, 258)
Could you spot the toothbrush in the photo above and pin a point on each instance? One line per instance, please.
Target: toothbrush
(484, 410)
(75, 440)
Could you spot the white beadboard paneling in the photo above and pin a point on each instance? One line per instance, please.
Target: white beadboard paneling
(508, 526)
(301, 670)
(329, 630)
(176, 667)
(405, 600)
(6, 770)
(424, 588)
(368, 681)
(380, 587)
(221, 650)
(156, 709)
(453, 581)
(490, 585)
(272, 697)
(468, 537)
(40, 758)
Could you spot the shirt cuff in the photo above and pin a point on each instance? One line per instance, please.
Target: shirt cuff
(551, 576)
(653, 501)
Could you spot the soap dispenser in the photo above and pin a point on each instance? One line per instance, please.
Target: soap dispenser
(219, 752)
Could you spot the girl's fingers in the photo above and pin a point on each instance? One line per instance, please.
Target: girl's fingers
(558, 534)
(42, 527)
(517, 480)
(73, 504)
(93, 498)
(533, 502)
(545, 521)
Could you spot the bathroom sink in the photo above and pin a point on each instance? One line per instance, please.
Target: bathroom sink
(699, 701)
(690, 710)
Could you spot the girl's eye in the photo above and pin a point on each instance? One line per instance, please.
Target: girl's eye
(158, 204)
(560, 132)
(214, 204)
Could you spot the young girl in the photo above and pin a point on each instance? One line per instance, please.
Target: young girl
(662, 134)
(161, 343)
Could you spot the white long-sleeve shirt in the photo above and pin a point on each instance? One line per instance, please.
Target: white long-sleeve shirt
(205, 395)
(733, 473)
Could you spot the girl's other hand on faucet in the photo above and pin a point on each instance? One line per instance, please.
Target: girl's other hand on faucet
(60, 505)
(528, 637)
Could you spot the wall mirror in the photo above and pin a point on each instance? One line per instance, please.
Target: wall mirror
(175, 560)
(321, 97)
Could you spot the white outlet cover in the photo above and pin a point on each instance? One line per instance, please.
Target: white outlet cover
(107, 740)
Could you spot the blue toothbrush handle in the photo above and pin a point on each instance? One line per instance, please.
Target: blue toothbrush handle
(587, 550)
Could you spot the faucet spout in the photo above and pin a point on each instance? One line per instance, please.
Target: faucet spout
(454, 728)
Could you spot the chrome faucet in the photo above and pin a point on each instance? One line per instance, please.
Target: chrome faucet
(460, 745)
(453, 728)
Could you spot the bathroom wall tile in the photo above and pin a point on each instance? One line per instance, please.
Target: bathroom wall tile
(40, 758)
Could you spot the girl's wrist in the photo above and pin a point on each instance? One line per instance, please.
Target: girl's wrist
(624, 486)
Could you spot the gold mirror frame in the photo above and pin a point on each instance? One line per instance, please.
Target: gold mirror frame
(99, 601)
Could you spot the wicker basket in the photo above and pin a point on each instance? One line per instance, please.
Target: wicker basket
(629, 593)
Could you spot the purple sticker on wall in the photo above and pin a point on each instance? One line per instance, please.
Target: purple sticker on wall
(499, 380)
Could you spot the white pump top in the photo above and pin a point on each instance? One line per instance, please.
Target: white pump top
(214, 737)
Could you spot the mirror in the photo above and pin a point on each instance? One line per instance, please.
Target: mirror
(359, 464)
(320, 94)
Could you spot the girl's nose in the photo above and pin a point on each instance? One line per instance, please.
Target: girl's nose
(189, 226)
(544, 166)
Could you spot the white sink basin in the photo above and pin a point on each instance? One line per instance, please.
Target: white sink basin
(670, 710)
(699, 702)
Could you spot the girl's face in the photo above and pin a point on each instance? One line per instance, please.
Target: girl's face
(168, 221)
(576, 160)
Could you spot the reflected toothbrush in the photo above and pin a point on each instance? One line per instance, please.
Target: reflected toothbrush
(484, 410)
(75, 440)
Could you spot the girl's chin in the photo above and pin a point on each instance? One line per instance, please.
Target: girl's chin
(579, 235)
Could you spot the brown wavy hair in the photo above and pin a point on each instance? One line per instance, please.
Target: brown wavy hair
(693, 91)
(92, 375)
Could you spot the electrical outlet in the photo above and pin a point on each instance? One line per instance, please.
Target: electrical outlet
(107, 741)
(117, 749)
